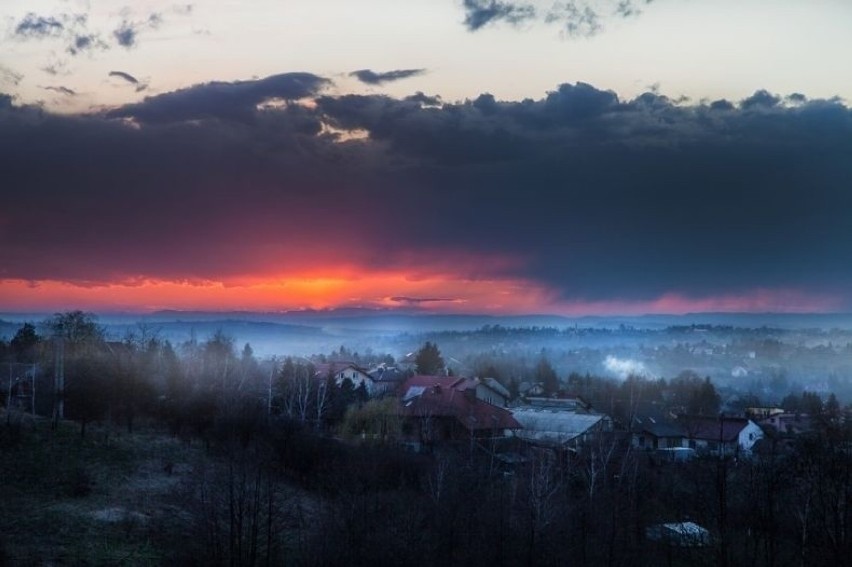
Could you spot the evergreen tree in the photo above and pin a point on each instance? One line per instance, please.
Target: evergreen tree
(429, 361)
(704, 399)
(25, 343)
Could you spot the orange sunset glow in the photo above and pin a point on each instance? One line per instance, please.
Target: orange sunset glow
(378, 290)
(436, 293)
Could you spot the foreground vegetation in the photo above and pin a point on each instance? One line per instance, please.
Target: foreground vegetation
(251, 492)
(203, 456)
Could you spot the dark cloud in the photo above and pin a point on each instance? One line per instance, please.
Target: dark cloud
(61, 90)
(575, 18)
(424, 99)
(127, 77)
(374, 78)
(630, 8)
(722, 104)
(598, 197)
(225, 100)
(35, 26)
(479, 13)
(71, 28)
(154, 20)
(86, 43)
(74, 29)
(125, 35)
(82, 43)
(761, 99)
(421, 300)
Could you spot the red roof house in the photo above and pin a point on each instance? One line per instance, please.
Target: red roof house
(440, 408)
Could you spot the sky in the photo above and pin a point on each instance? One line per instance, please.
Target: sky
(461, 156)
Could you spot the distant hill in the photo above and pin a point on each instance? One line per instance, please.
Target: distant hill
(311, 331)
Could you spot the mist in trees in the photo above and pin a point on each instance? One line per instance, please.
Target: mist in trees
(546, 376)
(299, 469)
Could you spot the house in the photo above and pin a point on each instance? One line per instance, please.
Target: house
(386, 379)
(788, 423)
(558, 428)
(486, 389)
(761, 413)
(341, 371)
(565, 402)
(728, 435)
(528, 389)
(496, 388)
(440, 408)
(656, 433)
(407, 362)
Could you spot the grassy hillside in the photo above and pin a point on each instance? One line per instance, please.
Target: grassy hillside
(104, 500)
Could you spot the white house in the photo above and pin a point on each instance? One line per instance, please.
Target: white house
(486, 389)
(730, 435)
(341, 371)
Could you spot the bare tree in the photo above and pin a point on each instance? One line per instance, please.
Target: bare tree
(544, 486)
(436, 481)
(600, 454)
(322, 400)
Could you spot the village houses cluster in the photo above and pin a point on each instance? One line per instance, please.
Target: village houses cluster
(443, 409)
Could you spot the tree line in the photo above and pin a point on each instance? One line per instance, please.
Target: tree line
(267, 428)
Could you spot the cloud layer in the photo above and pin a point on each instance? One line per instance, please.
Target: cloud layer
(596, 198)
(376, 78)
(574, 18)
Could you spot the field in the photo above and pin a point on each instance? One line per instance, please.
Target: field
(109, 498)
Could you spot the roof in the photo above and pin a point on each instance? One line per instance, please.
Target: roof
(657, 427)
(564, 403)
(726, 429)
(383, 373)
(436, 396)
(553, 426)
(426, 380)
(525, 387)
(334, 368)
(472, 383)
(788, 422)
(497, 387)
